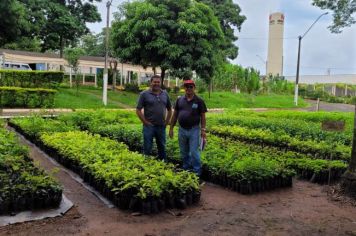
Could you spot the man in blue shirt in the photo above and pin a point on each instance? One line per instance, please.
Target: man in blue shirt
(157, 113)
(190, 111)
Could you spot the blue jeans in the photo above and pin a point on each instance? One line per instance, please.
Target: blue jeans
(159, 133)
(189, 140)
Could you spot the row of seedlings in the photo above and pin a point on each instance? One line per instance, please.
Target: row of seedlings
(243, 174)
(23, 186)
(128, 179)
(306, 166)
(301, 129)
(283, 141)
(219, 152)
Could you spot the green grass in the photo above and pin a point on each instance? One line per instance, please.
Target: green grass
(68, 98)
(232, 100)
(126, 98)
(91, 98)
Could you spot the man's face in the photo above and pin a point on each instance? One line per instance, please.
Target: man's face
(156, 84)
(189, 89)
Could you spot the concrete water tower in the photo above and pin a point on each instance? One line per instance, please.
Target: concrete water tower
(275, 44)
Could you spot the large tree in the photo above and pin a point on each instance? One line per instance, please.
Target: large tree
(343, 12)
(230, 18)
(180, 36)
(55, 23)
(13, 21)
(66, 22)
(94, 44)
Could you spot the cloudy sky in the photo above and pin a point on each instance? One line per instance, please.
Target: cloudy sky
(321, 50)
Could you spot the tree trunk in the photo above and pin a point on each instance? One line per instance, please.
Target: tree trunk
(210, 87)
(349, 178)
(114, 80)
(61, 48)
(163, 74)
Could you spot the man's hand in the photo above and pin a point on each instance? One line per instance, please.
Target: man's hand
(171, 133)
(147, 123)
(203, 134)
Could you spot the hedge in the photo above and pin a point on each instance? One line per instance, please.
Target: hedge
(31, 79)
(26, 97)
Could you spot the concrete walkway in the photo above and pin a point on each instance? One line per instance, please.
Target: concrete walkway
(8, 113)
(325, 106)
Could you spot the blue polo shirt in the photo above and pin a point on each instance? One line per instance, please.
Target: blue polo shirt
(155, 106)
(189, 112)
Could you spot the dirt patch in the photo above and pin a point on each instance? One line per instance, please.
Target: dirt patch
(305, 209)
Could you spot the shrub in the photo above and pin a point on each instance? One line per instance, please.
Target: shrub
(31, 79)
(132, 88)
(26, 97)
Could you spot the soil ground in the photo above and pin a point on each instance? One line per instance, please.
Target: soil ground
(304, 209)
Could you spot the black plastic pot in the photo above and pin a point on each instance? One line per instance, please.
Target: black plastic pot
(181, 202)
(196, 197)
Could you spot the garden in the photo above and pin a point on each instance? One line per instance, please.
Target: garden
(252, 154)
(248, 153)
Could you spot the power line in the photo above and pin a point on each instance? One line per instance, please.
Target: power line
(263, 38)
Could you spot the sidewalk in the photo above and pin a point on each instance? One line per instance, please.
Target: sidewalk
(8, 113)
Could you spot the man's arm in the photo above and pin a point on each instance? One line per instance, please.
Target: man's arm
(173, 123)
(169, 116)
(142, 117)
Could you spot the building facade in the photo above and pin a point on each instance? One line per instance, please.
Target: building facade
(88, 66)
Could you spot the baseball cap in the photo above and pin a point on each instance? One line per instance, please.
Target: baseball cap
(189, 81)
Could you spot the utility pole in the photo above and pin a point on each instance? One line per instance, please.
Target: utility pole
(105, 76)
(298, 62)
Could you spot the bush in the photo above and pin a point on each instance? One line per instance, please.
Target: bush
(176, 89)
(31, 79)
(201, 86)
(26, 97)
(132, 88)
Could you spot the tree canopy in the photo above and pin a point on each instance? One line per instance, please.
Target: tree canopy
(54, 23)
(13, 21)
(179, 36)
(343, 11)
(93, 44)
(228, 14)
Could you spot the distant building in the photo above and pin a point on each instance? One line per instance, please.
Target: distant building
(324, 79)
(88, 65)
(275, 44)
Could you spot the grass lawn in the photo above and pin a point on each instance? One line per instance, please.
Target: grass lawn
(232, 100)
(90, 97)
(67, 98)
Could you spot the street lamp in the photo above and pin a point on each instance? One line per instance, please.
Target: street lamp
(264, 62)
(105, 76)
(298, 62)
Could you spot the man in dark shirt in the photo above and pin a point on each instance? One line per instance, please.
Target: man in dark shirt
(155, 102)
(190, 112)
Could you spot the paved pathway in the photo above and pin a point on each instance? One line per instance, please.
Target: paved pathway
(324, 106)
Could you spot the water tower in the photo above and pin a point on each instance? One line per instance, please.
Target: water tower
(275, 44)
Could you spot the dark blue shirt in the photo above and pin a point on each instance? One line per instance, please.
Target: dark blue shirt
(154, 105)
(189, 112)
